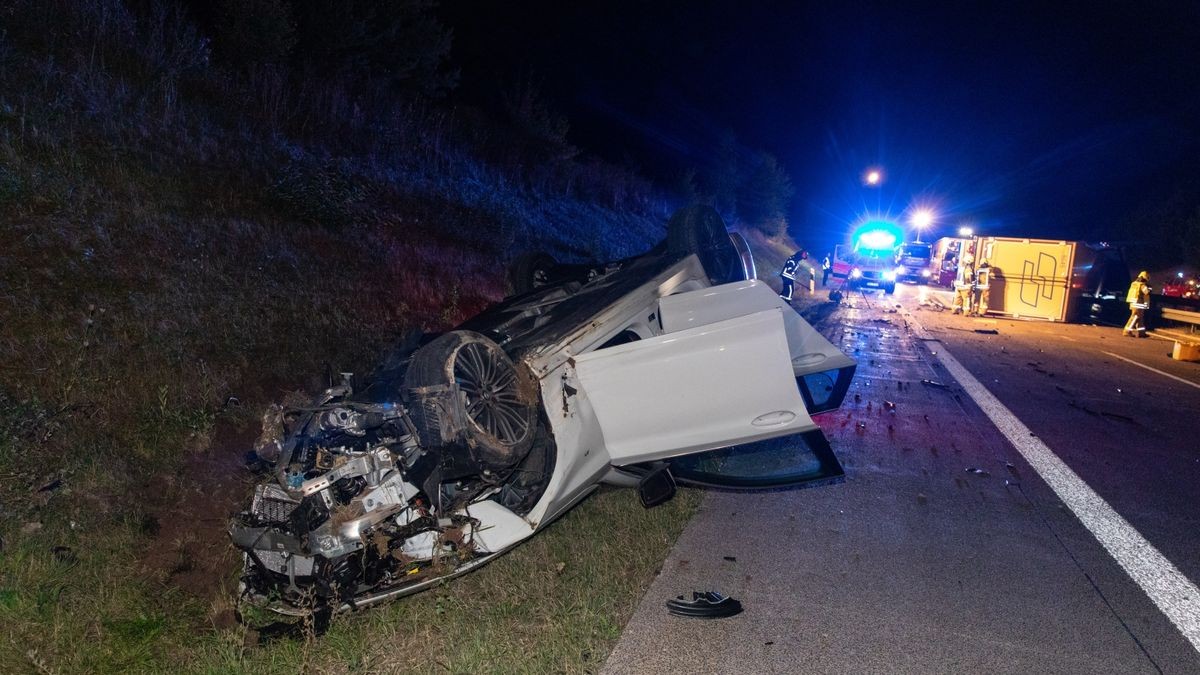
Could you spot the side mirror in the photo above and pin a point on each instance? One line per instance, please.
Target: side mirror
(657, 487)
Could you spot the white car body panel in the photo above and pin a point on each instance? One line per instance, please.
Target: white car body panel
(707, 387)
(499, 527)
(809, 350)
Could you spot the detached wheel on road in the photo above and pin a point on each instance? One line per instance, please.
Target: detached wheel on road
(530, 270)
(497, 403)
(699, 229)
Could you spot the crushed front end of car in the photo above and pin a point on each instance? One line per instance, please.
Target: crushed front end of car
(370, 499)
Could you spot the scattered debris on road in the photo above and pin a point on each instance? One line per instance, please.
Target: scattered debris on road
(1037, 367)
(933, 383)
(977, 471)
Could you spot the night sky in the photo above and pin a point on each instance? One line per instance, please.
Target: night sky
(1040, 120)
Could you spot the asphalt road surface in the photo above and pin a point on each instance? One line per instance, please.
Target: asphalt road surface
(1039, 512)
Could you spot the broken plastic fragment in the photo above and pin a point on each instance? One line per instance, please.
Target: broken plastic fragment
(977, 471)
(932, 383)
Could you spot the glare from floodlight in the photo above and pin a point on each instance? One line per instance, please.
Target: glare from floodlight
(921, 219)
(873, 177)
(965, 231)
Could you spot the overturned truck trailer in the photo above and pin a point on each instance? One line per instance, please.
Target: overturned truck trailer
(1055, 280)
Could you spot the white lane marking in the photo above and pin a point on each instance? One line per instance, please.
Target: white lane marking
(1155, 370)
(1167, 587)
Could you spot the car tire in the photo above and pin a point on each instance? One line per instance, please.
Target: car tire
(699, 229)
(889, 289)
(530, 270)
(494, 401)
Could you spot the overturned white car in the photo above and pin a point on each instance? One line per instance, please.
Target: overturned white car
(676, 364)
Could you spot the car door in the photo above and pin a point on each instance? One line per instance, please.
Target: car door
(822, 372)
(728, 354)
(710, 386)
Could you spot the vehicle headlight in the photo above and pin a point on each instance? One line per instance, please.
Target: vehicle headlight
(926, 273)
(855, 273)
(889, 275)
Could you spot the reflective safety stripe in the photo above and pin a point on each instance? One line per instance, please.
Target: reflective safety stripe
(1139, 305)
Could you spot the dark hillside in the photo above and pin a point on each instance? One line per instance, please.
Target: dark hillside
(182, 242)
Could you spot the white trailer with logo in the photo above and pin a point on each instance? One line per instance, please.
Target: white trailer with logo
(1054, 280)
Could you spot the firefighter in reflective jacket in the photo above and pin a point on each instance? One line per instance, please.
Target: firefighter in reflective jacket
(981, 290)
(1139, 300)
(963, 283)
(788, 275)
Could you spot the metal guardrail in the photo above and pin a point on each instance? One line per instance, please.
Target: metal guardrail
(1181, 315)
(1165, 308)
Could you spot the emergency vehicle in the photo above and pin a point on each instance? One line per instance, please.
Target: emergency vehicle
(870, 260)
(912, 262)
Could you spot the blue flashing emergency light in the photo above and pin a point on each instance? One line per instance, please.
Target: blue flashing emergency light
(877, 235)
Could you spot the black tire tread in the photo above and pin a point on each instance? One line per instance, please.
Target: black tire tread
(699, 229)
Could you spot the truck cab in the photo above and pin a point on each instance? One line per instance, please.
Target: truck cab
(913, 262)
